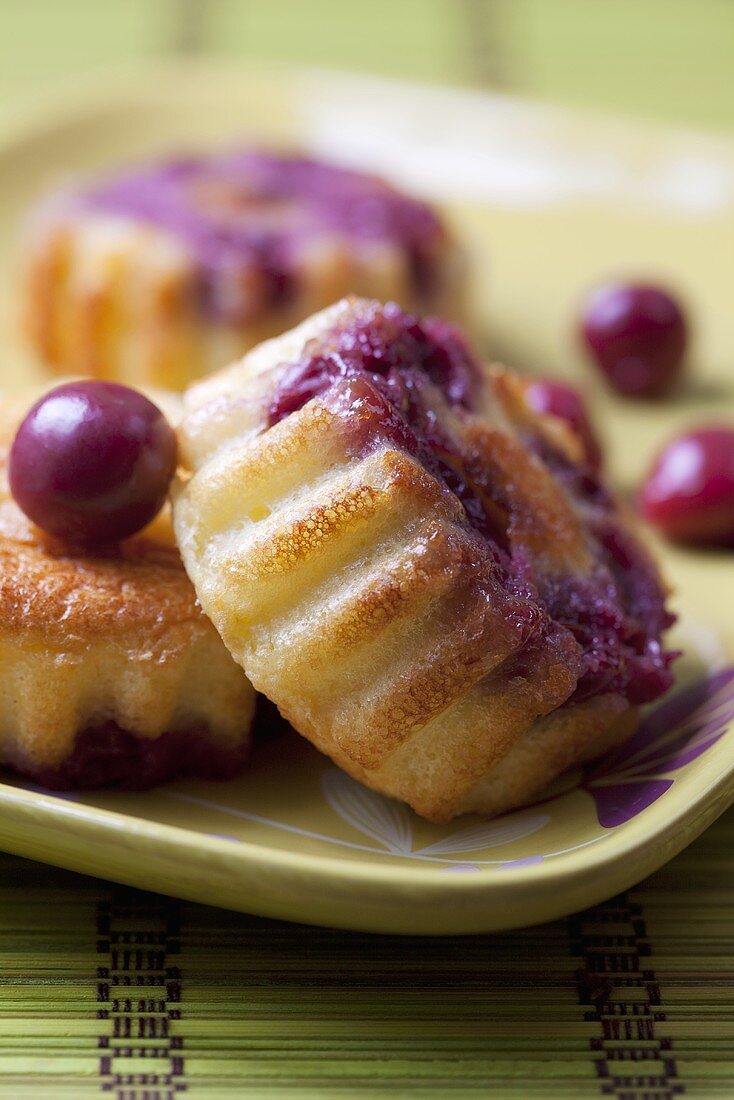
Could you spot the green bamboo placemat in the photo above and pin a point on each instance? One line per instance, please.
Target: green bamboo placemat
(108, 991)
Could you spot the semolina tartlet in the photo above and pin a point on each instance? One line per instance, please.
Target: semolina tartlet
(110, 673)
(158, 275)
(420, 571)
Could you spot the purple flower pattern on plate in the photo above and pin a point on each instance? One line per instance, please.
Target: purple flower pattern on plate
(638, 773)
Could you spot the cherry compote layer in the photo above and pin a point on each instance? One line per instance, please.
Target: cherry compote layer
(379, 373)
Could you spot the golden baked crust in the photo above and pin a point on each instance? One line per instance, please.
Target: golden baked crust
(108, 297)
(345, 574)
(111, 637)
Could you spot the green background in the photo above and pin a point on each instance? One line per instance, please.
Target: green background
(666, 59)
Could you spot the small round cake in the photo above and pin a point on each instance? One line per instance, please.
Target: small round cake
(110, 674)
(427, 577)
(161, 274)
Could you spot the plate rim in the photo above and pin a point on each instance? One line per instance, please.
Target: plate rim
(136, 86)
(622, 841)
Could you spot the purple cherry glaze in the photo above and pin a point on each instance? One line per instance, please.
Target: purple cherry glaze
(246, 215)
(108, 756)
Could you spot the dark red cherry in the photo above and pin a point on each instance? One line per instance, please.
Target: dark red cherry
(92, 461)
(689, 493)
(547, 395)
(636, 335)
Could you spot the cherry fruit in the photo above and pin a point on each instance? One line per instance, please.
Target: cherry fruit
(549, 396)
(689, 492)
(636, 335)
(92, 461)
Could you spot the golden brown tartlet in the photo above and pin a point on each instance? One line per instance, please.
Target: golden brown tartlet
(159, 275)
(109, 671)
(416, 567)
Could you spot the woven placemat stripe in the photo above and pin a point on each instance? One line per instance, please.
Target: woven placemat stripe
(139, 996)
(269, 1009)
(617, 986)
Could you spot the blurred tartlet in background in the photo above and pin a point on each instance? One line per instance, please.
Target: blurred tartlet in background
(160, 274)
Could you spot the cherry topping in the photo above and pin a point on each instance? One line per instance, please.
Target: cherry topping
(558, 399)
(689, 493)
(387, 345)
(637, 337)
(92, 461)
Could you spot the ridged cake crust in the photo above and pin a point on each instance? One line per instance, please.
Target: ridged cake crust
(110, 672)
(392, 571)
(158, 276)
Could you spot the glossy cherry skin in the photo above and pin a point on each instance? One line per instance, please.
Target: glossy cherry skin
(546, 395)
(689, 492)
(636, 335)
(91, 462)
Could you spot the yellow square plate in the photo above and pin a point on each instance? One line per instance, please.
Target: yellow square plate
(550, 201)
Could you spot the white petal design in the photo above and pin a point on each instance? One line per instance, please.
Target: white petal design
(488, 834)
(385, 820)
(705, 641)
